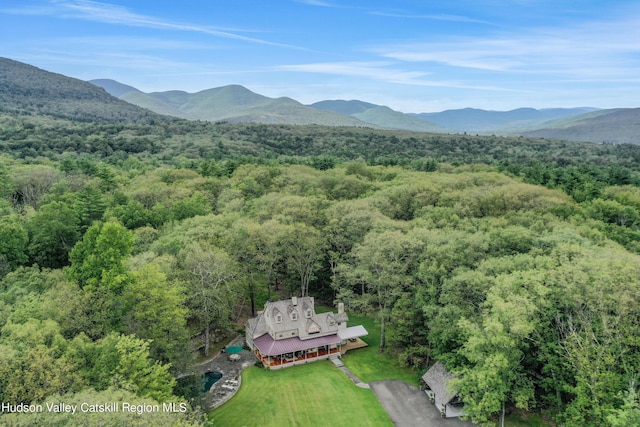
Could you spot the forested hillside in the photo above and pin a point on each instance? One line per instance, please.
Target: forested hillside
(503, 281)
(618, 126)
(27, 90)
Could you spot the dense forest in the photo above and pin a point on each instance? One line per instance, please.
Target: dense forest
(128, 246)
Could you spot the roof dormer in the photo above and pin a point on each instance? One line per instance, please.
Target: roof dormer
(293, 313)
(307, 310)
(331, 320)
(312, 327)
(277, 315)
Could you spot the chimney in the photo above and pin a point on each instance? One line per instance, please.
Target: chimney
(340, 307)
(294, 301)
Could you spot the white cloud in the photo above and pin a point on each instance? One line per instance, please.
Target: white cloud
(373, 70)
(119, 15)
(435, 17)
(380, 71)
(590, 50)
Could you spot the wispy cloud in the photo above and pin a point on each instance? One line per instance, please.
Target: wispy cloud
(317, 3)
(382, 71)
(120, 60)
(119, 15)
(122, 52)
(438, 17)
(374, 70)
(590, 50)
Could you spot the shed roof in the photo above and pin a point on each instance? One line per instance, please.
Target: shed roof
(352, 332)
(437, 378)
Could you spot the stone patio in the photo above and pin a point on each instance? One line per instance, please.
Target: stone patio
(227, 386)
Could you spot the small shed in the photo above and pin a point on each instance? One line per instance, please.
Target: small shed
(436, 385)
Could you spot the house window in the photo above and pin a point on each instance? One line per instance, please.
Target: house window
(294, 315)
(308, 313)
(279, 318)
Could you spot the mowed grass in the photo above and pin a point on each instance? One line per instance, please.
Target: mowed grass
(317, 394)
(370, 365)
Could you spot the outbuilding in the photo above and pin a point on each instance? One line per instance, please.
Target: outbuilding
(436, 384)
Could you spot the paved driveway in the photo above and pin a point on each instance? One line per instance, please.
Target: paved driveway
(408, 406)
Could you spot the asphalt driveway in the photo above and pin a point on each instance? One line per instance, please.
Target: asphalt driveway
(408, 406)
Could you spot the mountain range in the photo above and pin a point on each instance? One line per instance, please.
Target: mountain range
(233, 103)
(25, 89)
(483, 121)
(238, 104)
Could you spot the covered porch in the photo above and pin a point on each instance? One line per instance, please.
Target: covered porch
(276, 354)
(297, 358)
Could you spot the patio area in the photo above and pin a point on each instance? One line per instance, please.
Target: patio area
(230, 365)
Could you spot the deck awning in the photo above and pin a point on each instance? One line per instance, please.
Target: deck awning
(352, 332)
(270, 347)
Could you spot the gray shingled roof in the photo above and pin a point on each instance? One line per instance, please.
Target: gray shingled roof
(437, 378)
(266, 322)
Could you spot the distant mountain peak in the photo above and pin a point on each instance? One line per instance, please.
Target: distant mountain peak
(229, 103)
(340, 106)
(379, 115)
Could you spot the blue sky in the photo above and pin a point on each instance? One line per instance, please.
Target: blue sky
(412, 55)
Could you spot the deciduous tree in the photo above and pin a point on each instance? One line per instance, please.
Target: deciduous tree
(383, 265)
(210, 274)
(53, 231)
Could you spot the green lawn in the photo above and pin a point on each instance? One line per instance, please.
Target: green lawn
(317, 394)
(369, 365)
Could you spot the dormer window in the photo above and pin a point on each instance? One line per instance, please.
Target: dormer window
(308, 311)
(277, 315)
(331, 320)
(293, 313)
